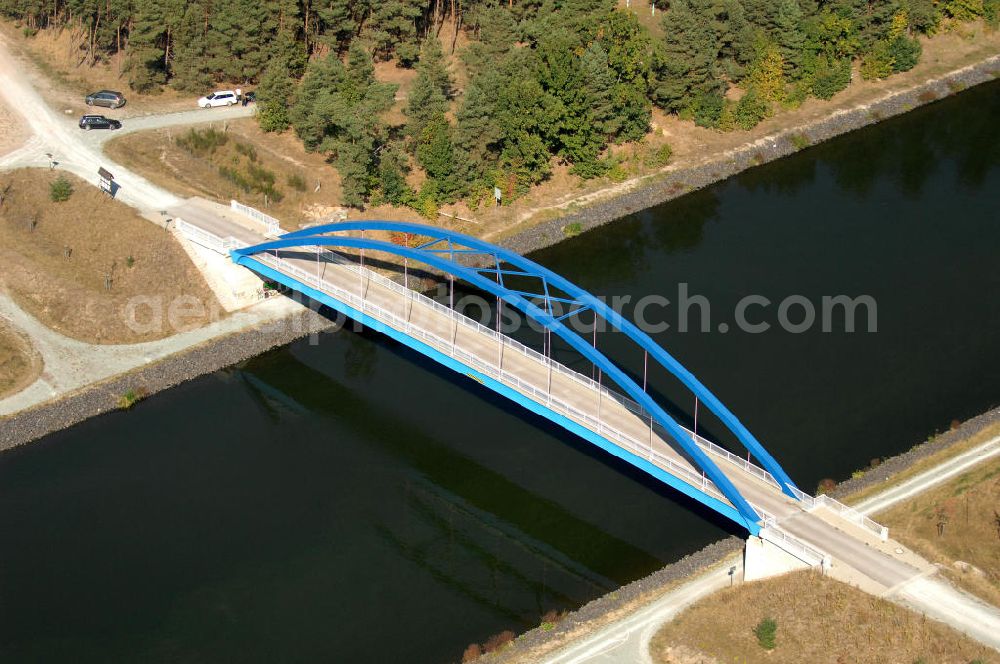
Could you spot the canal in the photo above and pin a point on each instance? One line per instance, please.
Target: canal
(348, 500)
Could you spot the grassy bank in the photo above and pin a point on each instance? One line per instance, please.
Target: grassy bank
(19, 364)
(919, 466)
(77, 264)
(817, 620)
(222, 161)
(957, 525)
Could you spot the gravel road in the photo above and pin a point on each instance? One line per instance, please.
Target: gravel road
(79, 151)
(96, 139)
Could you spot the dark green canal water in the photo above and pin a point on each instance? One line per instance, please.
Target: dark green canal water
(351, 501)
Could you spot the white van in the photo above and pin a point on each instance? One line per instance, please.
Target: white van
(220, 98)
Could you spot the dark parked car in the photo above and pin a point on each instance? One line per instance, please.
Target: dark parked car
(251, 96)
(89, 122)
(108, 98)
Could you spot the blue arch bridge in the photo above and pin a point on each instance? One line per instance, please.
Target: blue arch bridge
(609, 409)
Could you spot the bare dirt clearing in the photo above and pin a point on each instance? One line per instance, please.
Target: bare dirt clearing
(818, 620)
(75, 265)
(20, 365)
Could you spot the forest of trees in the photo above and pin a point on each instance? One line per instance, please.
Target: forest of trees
(543, 79)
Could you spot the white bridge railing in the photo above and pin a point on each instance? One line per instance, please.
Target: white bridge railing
(843, 511)
(791, 544)
(542, 395)
(272, 225)
(796, 547)
(208, 240)
(852, 515)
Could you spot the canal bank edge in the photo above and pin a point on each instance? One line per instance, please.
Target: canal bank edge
(652, 190)
(207, 357)
(886, 472)
(533, 645)
(546, 639)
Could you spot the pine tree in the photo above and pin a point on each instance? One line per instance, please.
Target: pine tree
(686, 64)
(478, 134)
(147, 47)
(599, 86)
(424, 102)
(338, 111)
(830, 77)
(762, 15)
(436, 155)
(629, 53)
(392, 170)
(496, 32)
(337, 21)
(190, 68)
(525, 114)
(573, 110)
(273, 98)
(245, 36)
(353, 161)
(392, 29)
(790, 36)
(314, 99)
(432, 65)
(428, 98)
(733, 35)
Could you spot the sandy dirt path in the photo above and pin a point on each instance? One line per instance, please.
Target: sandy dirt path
(80, 152)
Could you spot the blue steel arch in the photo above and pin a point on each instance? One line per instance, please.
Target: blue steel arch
(589, 301)
(458, 243)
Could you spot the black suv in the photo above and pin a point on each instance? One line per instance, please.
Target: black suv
(108, 98)
(89, 122)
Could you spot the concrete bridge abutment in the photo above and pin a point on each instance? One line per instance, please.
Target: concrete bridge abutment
(763, 559)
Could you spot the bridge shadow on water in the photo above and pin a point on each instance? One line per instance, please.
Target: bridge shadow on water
(419, 446)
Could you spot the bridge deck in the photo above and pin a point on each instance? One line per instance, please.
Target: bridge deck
(564, 391)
